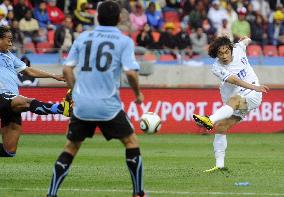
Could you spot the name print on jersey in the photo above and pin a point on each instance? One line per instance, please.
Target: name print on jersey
(242, 74)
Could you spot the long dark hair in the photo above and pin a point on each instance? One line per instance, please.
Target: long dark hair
(217, 43)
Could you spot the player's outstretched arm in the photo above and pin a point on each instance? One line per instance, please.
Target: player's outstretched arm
(69, 76)
(32, 72)
(246, 40)
(236, 81)
(133, 81)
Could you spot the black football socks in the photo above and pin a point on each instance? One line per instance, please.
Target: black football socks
(4, 153)
(134, 163)
(61, 167)
(42, 108)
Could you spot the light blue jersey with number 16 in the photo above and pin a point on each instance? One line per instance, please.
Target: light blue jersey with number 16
(100, 56)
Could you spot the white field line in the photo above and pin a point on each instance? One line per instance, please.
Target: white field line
(185, 193)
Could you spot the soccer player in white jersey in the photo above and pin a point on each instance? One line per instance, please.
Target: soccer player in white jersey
(240, 91)
(99, 57)
(11, 103)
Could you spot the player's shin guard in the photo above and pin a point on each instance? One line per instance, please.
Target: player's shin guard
(4, 153)
(60, 170)
(225, 111)
(42, 108)
(134, 163)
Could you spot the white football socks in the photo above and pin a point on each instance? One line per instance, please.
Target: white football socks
(220, 146)
(225, 111)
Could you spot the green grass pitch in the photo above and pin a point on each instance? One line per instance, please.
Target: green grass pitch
(173, 166)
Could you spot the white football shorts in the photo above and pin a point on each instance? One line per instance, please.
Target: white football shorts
(253, 100)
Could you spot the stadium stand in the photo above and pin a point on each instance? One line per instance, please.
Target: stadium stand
(281, 51)
(171, 16)
(183, 14)
(44, 47)
(254, 50)
(270, 50)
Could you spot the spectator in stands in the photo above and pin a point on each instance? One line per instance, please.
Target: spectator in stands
(41, 15)
(188, 6)
(258, 31)
(137, 17)
(159, 4)
(18, 37)
(55, 15)
(125, 4)
(216, 14)
(273, 3)
(29, 3)
(183, 42)
(63, 5)
(26, 80)
(72, 6)
(279, 7)
(251, 15)
(124, 24)
(64, 35)
(145, 37)
(276, 29)
(208, 29)
(78, 30)
(167, 40)
(10, 17)
(20, 10)
(3, 21)
(6, 6)
(32, 3)
(82, 16)
(196, 16)
(199, 42)
(29, 26)
(79, 3)
(172, 5)
(154, 17)
(241, 27)
(261, 7)
(225, 30)
(232, 15)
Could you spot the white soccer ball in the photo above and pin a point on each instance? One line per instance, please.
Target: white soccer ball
(150, 123)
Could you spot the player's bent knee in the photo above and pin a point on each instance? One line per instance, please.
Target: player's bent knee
(234, 101)
(130, 141)
(72, 147)
(20, 103)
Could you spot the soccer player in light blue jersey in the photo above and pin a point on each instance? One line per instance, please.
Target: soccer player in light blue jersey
(99, 57)
(11, 103)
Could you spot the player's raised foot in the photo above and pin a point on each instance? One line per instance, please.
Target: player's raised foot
(203, 121)
(67, 104)
(216, 169)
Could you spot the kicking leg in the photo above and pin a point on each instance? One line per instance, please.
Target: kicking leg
(21, 104)
(62, 165)
(225, 112)
(42, 108)
(134, 163)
